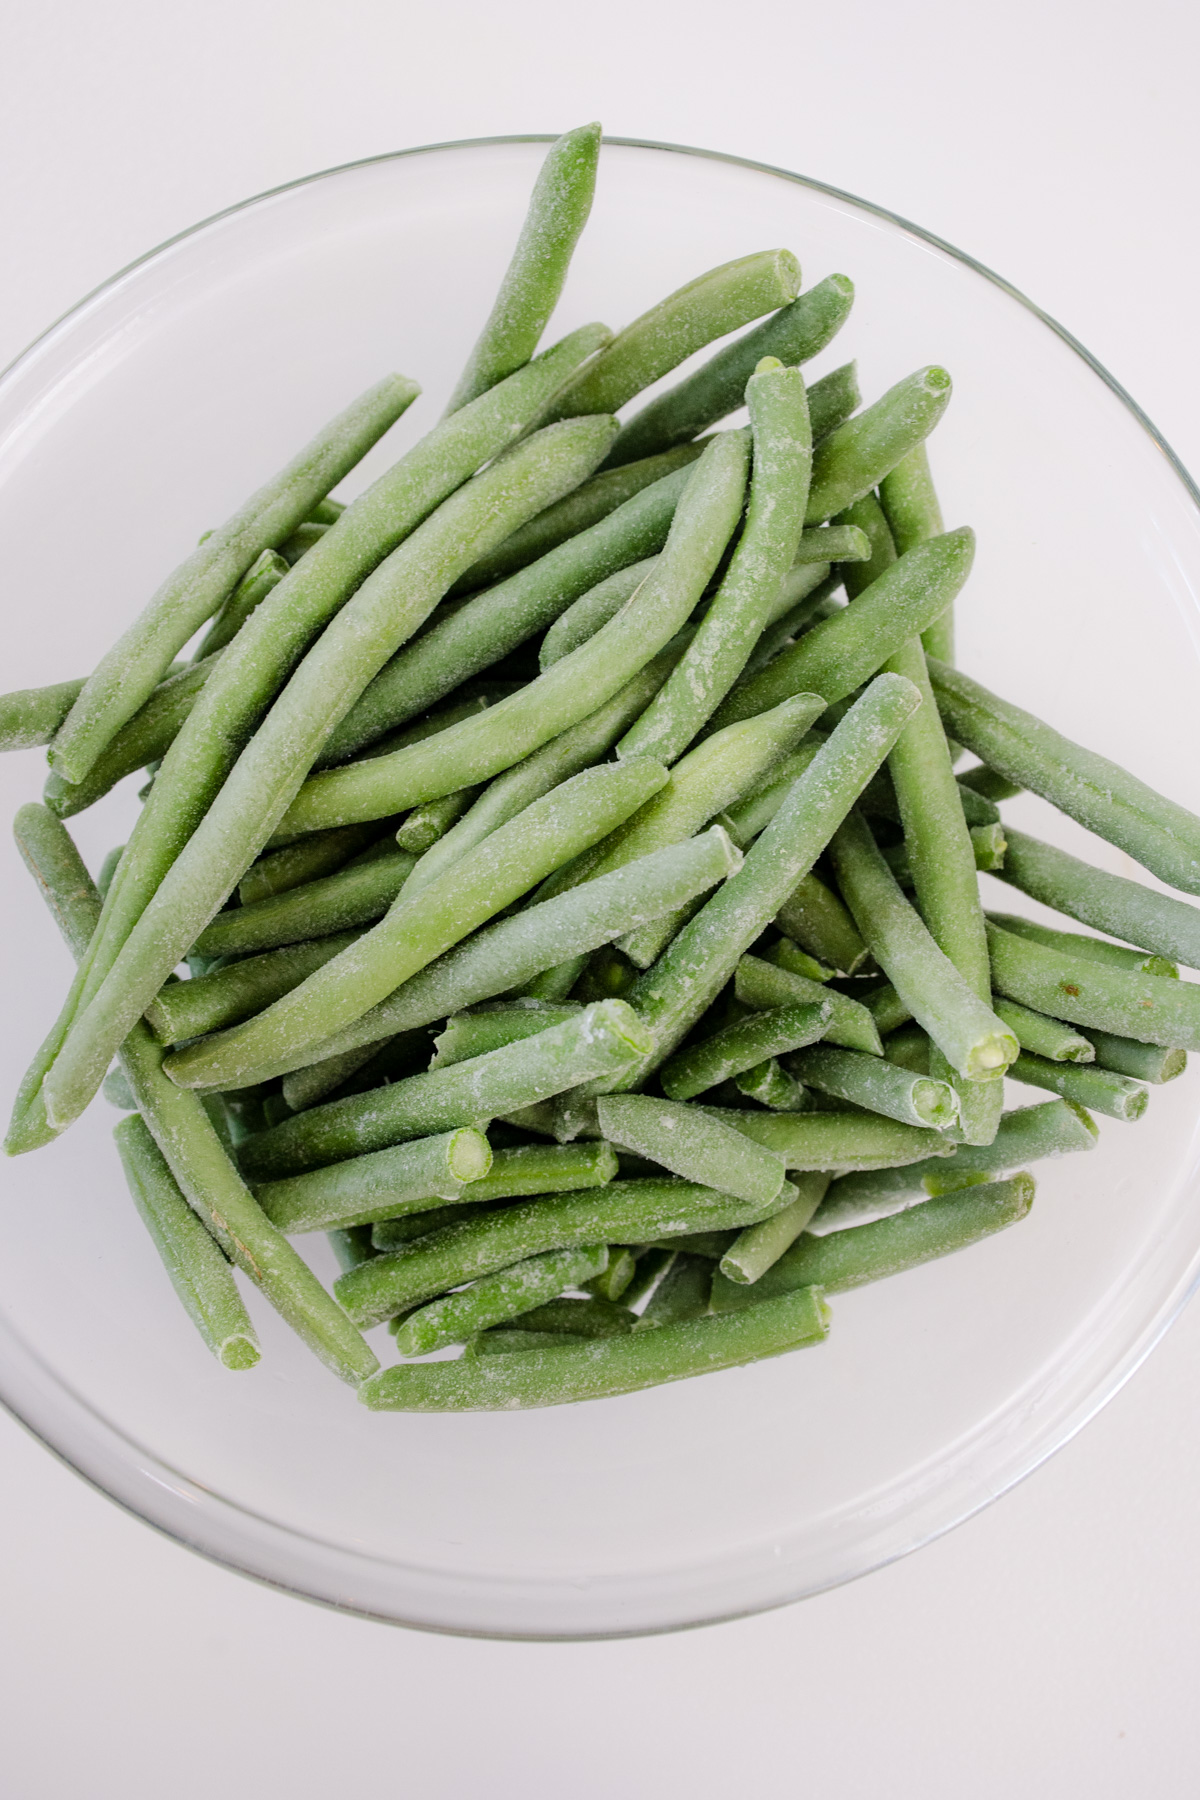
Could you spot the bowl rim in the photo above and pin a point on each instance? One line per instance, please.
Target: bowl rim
(1126, 1366)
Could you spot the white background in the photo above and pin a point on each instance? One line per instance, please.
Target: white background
(1049, 1646)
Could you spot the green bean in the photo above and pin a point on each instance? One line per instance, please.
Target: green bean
(852, 460)
(591, 501)
(812, 588)
(1042, 1036)
(772, 1086)
(31, 716)
(251, 590)
(558, 211)
(817, 921)
(508, 953)
(1163, 836)
(706, 308)
(272, 767)
(1074, 943)
(910, 505)
(576, 1318)
(592, 611)
(985, 781)
(354, 896)
(988, 845)
(689, 1143)
(879, 800)
(848, 1259)
(416, 931)
(127, 675)
(836, 1140)
(188, 1009)
(867, 515)
(672, 995)
(306, 860)
(878, 1085)
(839, 654)
(117, 1091)
(602, 1037)
(184, 1134)
(474, 1033)
(624, 1211)
(968, 1033)
(390, 1234)
(493, 1299)
(753, 813)
(385, 1185)
(712, 1244)
(759, 1247)
(546, 1169)
(1145, 1062)
(1028, 1134)
(742, 1045)
(197, 1269)
(766, 986)
(428, 823)
(1100, 1090)
(477, 748)
(407, 1053)
(681, 1294)
(565, 755)
(556, 983)
(262, 655)
(618, 1365)
(824, 544)
(509, 1341)
(765, 552)
(795, 335)
(1088, 993)
(1111, 903)
(612, 1281)
(301, 541)
(495, 622)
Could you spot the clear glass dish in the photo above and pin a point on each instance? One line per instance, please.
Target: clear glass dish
(142, 418)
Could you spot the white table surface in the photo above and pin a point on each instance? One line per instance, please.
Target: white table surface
(1048, 1647)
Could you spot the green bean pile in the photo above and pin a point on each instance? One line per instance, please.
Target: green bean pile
(579, 903)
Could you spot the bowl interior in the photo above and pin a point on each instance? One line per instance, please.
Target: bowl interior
(142, 419)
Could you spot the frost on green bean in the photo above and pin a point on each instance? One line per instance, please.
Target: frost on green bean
(690, 1143)
(384, 1185)
(493, 1299)
(1112, 903)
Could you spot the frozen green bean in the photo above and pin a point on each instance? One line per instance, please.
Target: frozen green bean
(127, 675)
(477, 748)
(753, 813)
(795, 334)
(475, 1033)
(1089, 993)
(818, 921)
(510, 952)
(1028, 1134)
(712, 662)
(1100, 1090)
(577, 1318)
(143, 740)
(31, 716)
(354, 896)
(836, 1140)
(1144, 1062)
(1163, 836)
(493, 1299)
(591, 501)
(763, 985)
(601, 1038)
(508, 1340)
(618, 1365)
(307, 860)
(183, 1132)
(985, 781)
(352, 1246)
(197, 1269)
(587, 615)
(558, 211)
(384, 1185)
(681, 1294)
(1112, 903)
(623, 1211)
(546, 1169)
(301, 541)
(1042, 1036)
(839, 654)
(390, 1234)
(709, 307)
(188, 1009)
(416, 931)
(852, 460)
(772, 1086)
(743, 1045)
(258, 581)
(692, 1144)
(1075, 943)
(611, 1283)
(848, 1259)
(987, 847)
(757, 1248)
(963, 1026)
(910, 505)
(877, 1085)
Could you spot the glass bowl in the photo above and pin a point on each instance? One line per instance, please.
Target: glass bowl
(141, 419)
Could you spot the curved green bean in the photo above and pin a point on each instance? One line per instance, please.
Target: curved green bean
(708, 307)
(30, 717)
(795, 334)
(558, 211)
(477, 748)
(852, 460)
(587, 615)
